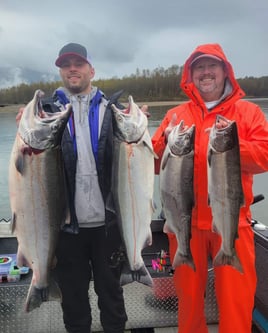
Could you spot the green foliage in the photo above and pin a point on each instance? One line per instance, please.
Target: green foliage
(23, 93)
(254, 87)
(159, 84)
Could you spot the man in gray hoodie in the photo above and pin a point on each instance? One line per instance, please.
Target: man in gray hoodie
(87, 245)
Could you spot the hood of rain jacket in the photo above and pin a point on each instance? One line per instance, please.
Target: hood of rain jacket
(189, 88)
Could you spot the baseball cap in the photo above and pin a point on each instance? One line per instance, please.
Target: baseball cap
(75, 50)
(205, 55)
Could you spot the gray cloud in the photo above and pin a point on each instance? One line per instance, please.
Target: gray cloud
(123, 35)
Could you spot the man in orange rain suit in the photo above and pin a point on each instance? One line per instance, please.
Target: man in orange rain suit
(209, 82)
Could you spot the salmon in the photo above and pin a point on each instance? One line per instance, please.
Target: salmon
(37, 196)
(225, 189)
(133, 186)
(176, 190)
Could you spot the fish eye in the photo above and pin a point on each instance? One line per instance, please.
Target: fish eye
(119, 118)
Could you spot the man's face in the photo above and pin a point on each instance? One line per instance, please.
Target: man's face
(208, 76)
(76, 75)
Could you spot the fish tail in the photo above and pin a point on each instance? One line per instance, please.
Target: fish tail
(36, 296)
(225, 259)
(142, 276)
(181, 259)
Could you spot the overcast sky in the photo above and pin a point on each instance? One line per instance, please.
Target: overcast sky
(123, 35)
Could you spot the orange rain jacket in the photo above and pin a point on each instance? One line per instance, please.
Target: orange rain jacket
(252, 129)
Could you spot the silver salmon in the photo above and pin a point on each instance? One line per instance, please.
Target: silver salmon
(176, 190)
(225, 189)
(133, 186)
(37, 196)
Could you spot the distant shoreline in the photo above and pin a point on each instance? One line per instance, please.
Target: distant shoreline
(11, 108)
(157, 103)
(16, 107)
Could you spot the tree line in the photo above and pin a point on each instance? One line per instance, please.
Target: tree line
(159, 84)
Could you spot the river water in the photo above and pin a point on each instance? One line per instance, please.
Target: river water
(7, 135)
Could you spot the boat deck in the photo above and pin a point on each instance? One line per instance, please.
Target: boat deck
(211, 329)
(146, 307)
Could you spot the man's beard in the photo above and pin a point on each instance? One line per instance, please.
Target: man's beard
(74, 89)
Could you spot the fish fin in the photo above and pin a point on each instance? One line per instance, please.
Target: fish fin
(149, 146)
(149, 240)
(19, 163)
(54, 291)
(20, 259)
(214, 228)
(142, 276)
(110, 203)
(13, 222)
(209, 157)
(153, 205)
(166, 229)
(36, 296)
(222, 259)
(181, 259)
(164, 161)
(162, 215)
